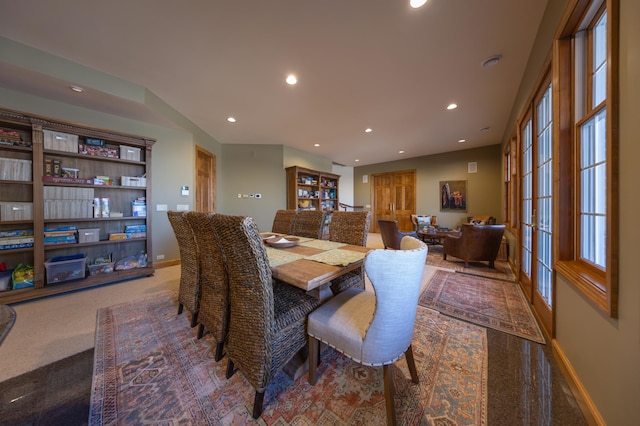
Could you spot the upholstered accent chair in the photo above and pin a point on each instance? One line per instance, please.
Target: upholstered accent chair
(391, 235)
(481, 220)
(423, 221)
(189, 288)
(268, 319)
(213, 314)
(475, 243)
(374, 328)
(283, 221)
(349, 228)
(309, 223)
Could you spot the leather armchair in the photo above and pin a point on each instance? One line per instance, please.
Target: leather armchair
(391, 236)
(475, 243)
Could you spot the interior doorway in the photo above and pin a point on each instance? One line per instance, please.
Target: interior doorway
(393, 196)
(205, 181)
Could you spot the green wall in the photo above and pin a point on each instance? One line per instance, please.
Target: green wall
(483, 188)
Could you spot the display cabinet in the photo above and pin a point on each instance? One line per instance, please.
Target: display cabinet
(311, 189)
(72, 204)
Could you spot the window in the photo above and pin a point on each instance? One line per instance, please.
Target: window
(586, 51)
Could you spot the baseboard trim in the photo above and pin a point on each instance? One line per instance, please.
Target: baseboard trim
(166, 263)
(585, 402)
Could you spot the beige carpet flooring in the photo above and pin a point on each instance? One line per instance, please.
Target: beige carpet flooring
(54, 328)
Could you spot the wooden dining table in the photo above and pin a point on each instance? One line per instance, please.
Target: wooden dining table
(311, 264)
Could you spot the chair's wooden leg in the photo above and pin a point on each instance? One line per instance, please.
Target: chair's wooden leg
(257, 404)
(387, 372)
(200, 331)
(230, 369)
(314, 358)
(194, 319)
(180, 307)
(444, 256)
(219, 351)
(412, 365)
(492, 264)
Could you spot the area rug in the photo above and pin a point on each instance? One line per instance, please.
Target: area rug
(499, 305)
(150, 369)
(502, 270)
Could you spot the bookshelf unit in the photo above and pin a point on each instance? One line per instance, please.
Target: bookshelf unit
(130, 156)
(311, 189)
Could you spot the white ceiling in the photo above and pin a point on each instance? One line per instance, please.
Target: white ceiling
(360, 63)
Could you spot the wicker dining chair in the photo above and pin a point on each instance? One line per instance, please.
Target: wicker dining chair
(189, 289)
(374, 328)
(309, 223)
(214, 284)
(267, 323)
(349, 228)
(283, 221)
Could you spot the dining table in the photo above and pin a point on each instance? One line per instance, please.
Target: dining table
(311, 264)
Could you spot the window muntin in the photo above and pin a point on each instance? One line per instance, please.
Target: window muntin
(593, 193)
(586, 54)
(544, 142)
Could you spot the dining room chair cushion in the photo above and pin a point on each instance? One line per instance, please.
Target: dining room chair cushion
(343, 321)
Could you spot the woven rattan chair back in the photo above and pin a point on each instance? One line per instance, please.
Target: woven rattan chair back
(283, 221)
(214, 284)
(267, 323)
(189, 289)
(349, 227)
(309, 223)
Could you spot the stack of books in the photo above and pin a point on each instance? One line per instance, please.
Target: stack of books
(16, 239)
(136, 231)
(60, 235)
(139, 207)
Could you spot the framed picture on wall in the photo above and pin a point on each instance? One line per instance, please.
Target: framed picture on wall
(453, 195)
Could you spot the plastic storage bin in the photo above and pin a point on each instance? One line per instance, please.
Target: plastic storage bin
(59, 141)
(65, 268)
(91, 235)
(101, 268)
(129, 153)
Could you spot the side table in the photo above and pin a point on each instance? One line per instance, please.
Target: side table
(7, 318)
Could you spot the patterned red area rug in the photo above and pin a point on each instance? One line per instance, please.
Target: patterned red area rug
(502, 270)
(490, 303)
(150, 369)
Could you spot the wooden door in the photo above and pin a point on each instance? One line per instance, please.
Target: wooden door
(205, 181)
(394, 197)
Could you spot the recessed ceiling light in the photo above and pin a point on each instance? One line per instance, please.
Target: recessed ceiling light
(292, 79)
(484, 129)
(401, 151)
(368, 130)
(357, 159)
(77, 89)
(231, 120)
(417, 3)
(316, 144)
(491, 61)
(452, 106)
(461, 140)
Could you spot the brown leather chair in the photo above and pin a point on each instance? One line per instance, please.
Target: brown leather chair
(391, 236)
(475, 243)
